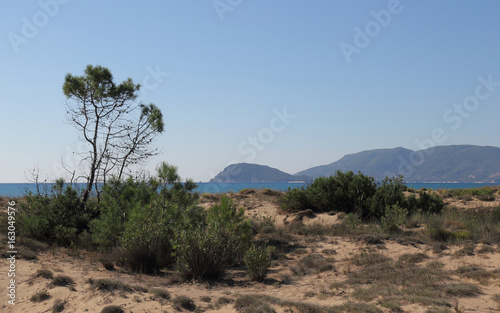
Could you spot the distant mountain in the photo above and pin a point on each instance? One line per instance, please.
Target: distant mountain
(254, 173)
(458, 163)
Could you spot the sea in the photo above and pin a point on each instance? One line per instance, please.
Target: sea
(21, 189)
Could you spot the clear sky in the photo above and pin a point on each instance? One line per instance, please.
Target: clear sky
(290, 84)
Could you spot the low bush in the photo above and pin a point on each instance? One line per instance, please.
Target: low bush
(57, 216)
(62, 280)
(350, 193)
(205, 251)
(184, 302)
(40, 296)
(161, 294)
(58, 306)
(112, 309)
(252, 304)
(258, 261)
(45, 273)
(312, 264)
(106, 284)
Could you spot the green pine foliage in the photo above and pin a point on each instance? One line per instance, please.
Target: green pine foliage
(359, 194)
(205, 250)
(258, 262)
(55, 216)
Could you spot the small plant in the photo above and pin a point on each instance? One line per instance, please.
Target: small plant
(395, 216)
(413, 258)
(58, 306)
(223, 301)
(160, 294)
(252, 303)
(112, 309)
(309, 294)
(206, 299)
(352, 221)
(184, 302)
(312, 264)
(258, 261)
(63, 280)
(40, 296)
(44, 273)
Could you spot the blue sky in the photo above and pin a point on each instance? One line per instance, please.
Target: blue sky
(289, 84)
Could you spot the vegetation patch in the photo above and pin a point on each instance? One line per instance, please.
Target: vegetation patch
(159, 294)
(109, 285)
(58, 306)
(40, 296)
(312, 264)
(44, 273)
(63, 280)
(184, 302)
(112, 309)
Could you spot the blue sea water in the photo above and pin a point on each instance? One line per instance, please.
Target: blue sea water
(19, 190)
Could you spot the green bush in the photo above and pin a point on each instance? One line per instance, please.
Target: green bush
(143, 217)
(359, 194)
(295, 200)
(394, 217)
(258, 261)
(57, 216)
(118, 199)
(204, 251)
(344, 192)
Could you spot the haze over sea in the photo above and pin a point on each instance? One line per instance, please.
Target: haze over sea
(19, 190)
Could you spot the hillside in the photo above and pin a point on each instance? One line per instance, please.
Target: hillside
(254, 173)
(457, 163)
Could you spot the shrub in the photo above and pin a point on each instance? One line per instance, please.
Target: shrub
(58, 306)
(62, 280)
(258, 261)
(440, 234)
(488, 198)
(252, 304)
(57, 216)
(112, 309)
(462, 290)
(151, 227)
(312, 264)
(350, 193)
(45, 273)
(105, 284)
(295, 200)
(204, 251)
(160, 294)
(184, 302)
(206, 299)
(393, 218)
(118, 199)
(413, 258)
(40, 296)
